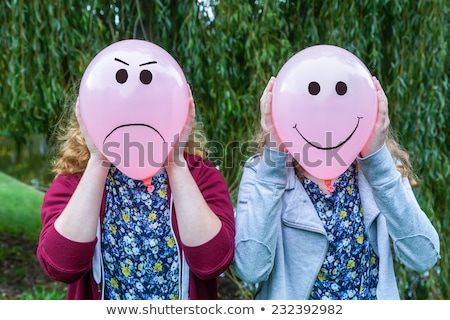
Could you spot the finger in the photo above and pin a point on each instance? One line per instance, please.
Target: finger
(269, 102)
(191, 104)
(376, 83)
(378, 86)
(77, 109)
(271, 84)
(191, 109)
(381, 95)
(268, 87)
(184, 134)
(382, 98)
(266, 98)
(189, 91)
(383, 110)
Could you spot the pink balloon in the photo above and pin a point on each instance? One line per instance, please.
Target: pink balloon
(134, 101)
(324, 109)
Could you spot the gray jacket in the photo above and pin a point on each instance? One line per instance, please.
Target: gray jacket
(281, 242)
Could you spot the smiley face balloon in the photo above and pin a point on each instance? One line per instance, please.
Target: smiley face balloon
(134, 103)
(324, 109)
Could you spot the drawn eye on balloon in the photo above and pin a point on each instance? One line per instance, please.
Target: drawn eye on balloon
(324, 109)
(134, 103)
(145, 76)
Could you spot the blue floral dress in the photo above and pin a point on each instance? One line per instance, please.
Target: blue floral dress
(350, 268)
(140, 253)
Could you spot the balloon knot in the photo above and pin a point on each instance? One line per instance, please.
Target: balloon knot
(148, 184)
(329, 185)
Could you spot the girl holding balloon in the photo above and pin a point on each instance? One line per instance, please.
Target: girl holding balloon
(110, 234)
(308, 231)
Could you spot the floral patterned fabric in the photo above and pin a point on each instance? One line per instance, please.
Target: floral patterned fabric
(350, 268)
(140, 253)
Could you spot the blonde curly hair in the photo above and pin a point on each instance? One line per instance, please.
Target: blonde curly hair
(73, 154)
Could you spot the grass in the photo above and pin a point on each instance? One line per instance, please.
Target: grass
(19, 208)
(20, 224)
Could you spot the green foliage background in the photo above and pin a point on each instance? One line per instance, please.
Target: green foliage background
(228, 50)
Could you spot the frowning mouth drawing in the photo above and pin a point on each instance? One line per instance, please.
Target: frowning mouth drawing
(133, 125)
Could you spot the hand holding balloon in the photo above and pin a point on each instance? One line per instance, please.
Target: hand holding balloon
(95, 154)
(271, 138)
(380, 131)
(176, 157)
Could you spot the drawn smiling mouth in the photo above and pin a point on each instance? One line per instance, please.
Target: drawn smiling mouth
(328, 148)
(133, 125)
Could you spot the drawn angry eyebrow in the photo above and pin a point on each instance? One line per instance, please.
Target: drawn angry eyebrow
(144, 64)
(117, 59)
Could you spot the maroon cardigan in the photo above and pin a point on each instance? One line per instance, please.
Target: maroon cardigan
(71, 262)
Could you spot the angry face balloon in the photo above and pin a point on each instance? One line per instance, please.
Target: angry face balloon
(134, 103)
(324, 109)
